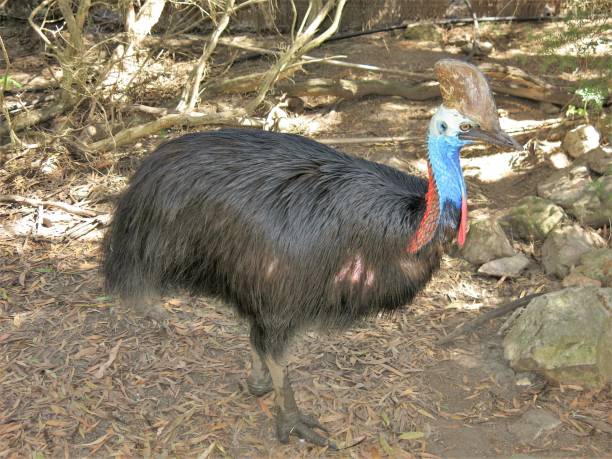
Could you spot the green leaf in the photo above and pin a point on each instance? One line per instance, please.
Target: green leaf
(385, 445)
(411, 435)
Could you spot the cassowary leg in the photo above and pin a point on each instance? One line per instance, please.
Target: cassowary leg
(259, 381)
(289, 419)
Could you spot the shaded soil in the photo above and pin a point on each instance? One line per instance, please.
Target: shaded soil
(82, 376)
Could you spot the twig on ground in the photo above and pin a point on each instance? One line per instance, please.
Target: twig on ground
(60, 205)
(470, 326)
(599, 425)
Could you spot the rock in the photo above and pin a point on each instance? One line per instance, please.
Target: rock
(596, 264)
(505, 267)
(566, 336)
(575, 279)
(486, 241)
(559, 160)
(594, 207)
(482, 48)
(581, 139)
(548, 108)
(533, 218)
(564, 246)
(425, 32)
(565, 186)
(600, 160)
(533, 423)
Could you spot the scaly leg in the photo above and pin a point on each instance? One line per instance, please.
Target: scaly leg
(289, 419)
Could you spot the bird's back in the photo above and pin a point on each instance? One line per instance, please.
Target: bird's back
(276, 224)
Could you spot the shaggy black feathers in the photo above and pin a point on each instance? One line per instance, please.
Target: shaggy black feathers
(290, 232)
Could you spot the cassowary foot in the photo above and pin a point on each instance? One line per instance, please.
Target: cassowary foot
(259, 385)
(302, 426)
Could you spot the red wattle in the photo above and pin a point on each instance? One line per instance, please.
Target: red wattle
(462, 222)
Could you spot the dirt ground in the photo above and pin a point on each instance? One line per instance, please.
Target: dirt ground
(82, 377)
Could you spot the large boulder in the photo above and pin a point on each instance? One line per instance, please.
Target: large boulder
(596, 264)
(565, 336)
(600, 160)
(533, 218)
(581, 139)
(564, 187)
(564, 246)
(594, 206)
(486, 241)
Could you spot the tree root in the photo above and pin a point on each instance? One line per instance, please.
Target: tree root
(470, 326)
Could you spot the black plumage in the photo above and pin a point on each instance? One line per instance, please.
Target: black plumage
(267, 222)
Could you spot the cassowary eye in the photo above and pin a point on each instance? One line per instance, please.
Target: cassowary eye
(465, 127)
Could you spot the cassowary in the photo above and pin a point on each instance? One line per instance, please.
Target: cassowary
(293, 234)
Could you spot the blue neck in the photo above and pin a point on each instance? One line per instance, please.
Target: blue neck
(445, 167)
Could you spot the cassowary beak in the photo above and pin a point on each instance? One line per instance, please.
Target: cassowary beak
(496, 137)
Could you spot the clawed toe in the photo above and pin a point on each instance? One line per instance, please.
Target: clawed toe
(302, 426)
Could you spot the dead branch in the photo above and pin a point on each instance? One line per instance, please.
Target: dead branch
(513, 81)
(12, 198)
(304, 41)
(124, 61)
(191, 91)
(472, 325)
(351, 89)
(229, 118)
(7, 116)
(27, 119)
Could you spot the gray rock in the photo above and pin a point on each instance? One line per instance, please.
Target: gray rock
(596, 264)
(505, 267)
(533, 423)
(564, 187)
(482, 48)
(600, 160)
(486, 241)
(566, 336)
(548, 108)
(581, 139)
(575, 279)
(564, 246)
(533, 218)
(559, 160)
(594, 207)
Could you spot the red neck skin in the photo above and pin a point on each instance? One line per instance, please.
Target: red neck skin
(429, 222)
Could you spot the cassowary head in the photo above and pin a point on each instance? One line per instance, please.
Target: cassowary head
(468, 112)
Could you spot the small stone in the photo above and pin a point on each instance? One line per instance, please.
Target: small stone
(594, 206)
(564, 246)
(565, 186)
(575, 279)
(482, 48)
(581, 139)
(425, 32)
(596, 264)
(533, 218)
(533, 423)
(566, 336)
(559, 160)
(486, 241)
(548, 108)
(600, 160)
(505, 267)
